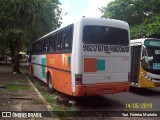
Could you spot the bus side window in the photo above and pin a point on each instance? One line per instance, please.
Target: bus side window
(36, 49)
(43, 46)
(59, 41)
(71, 37)
(68, 38)
(40, 50)
(39, 47)
(48, 43)
(53, 43)
(63, 39)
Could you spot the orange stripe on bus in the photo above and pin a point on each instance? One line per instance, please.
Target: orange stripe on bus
(61, 81)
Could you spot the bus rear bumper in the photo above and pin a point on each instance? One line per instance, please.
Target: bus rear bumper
(99, 89)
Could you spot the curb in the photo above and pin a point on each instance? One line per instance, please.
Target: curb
(49, 108)
(40, 95)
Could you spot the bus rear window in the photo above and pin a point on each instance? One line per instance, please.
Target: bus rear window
(105, 35)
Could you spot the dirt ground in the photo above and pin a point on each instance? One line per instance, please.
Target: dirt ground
(18, 94)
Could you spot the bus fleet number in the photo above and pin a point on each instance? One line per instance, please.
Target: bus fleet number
(95, 48)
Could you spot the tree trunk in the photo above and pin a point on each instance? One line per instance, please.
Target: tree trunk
(12, 52)
(16, 66)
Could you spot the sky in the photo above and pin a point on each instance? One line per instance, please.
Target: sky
(78, 8)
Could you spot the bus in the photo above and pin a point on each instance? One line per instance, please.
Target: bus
(145, 63)
(86, 58)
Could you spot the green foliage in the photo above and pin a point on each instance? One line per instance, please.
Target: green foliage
(28, 19)
(23, 21)
(142, 16)
(149, 28)
(49, 98)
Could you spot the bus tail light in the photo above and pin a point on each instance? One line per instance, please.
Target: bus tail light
(78, 78)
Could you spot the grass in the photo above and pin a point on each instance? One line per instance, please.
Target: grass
(58, 110)
(72, 108)
(49, 98)
(16, 87)
(36, 84)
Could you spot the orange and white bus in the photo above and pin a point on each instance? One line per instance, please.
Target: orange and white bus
(89, 57)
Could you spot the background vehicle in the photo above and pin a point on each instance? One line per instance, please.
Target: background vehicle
(145, 62)
(6, 58)
(23, 58)
(89, 57)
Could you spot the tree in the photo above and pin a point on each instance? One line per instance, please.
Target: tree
(149, 28)
(142, 16)
(23, 21)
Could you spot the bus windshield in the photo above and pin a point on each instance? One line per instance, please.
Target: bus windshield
(155, 43)
(152, 58)
(105, 35)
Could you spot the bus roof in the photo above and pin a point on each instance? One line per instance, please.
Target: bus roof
(103, 21)
(94, 21)
(141, 40)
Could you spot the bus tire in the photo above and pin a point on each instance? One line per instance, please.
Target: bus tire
(50, 87)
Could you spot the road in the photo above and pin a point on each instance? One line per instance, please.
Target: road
(146, 99)
(118, 101)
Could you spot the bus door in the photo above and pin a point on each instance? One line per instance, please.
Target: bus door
(135, 63)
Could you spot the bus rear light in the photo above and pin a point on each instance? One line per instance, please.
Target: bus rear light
(78, 79)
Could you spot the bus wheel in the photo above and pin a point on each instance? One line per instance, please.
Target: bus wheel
(50, 87)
